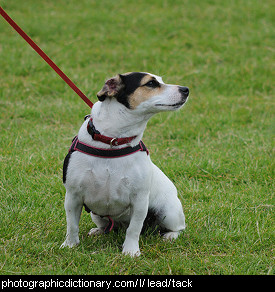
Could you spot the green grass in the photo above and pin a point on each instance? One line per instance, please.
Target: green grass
(217, 150)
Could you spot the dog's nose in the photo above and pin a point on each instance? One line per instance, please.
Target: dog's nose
(184, 91)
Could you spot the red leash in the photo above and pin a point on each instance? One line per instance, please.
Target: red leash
(45, 57)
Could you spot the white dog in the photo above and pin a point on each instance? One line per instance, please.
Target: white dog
(108, 169)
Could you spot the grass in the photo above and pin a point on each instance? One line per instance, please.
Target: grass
(218, 150)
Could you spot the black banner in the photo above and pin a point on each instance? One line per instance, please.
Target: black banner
(46, 283)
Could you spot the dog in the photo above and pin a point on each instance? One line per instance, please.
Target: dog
(108, 169)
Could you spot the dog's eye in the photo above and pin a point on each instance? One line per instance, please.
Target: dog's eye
(152, 84)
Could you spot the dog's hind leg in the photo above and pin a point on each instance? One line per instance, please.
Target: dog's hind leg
(168, 207)
(173, 224)
(172, 219)
(73, 207)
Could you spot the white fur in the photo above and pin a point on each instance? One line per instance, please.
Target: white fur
(126, 187)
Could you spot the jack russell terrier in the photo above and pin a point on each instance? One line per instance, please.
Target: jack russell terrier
(108, 169)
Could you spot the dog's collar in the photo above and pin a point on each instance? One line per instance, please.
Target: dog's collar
(104, 139)
(106, 153)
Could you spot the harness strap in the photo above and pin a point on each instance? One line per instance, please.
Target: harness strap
(110, 225)
(106, 153)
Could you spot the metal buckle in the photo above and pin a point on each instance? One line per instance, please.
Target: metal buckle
(114, 140)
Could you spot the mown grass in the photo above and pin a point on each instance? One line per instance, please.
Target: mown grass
(218, 150)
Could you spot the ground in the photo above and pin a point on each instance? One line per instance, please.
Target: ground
(218, 150)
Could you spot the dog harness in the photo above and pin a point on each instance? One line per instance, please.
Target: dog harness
(105, 153)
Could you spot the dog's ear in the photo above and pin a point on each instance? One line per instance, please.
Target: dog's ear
(111, 88)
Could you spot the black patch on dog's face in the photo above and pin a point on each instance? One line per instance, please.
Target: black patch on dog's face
(131, 82)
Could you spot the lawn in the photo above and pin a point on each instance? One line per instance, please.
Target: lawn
(218, 150)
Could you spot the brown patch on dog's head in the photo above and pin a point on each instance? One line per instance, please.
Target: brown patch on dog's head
(149, 87)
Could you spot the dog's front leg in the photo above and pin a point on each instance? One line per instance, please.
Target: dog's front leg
(73, 208)
(139, 210)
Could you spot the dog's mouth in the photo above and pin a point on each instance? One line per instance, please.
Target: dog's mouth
(175, 105)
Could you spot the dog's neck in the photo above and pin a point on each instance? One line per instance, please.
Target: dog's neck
(113, 119)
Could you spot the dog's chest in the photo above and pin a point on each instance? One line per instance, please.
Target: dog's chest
(109, 191)
(107, 185)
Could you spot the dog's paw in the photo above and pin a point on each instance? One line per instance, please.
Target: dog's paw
(69, 243)
(132, 252)
(131, 249)
(172, 235)
(95, 231)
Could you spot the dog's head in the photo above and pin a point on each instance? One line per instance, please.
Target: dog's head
(138, 90)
